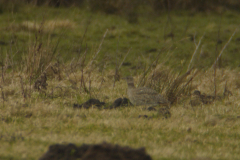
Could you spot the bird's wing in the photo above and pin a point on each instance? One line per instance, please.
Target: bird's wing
(148, 91)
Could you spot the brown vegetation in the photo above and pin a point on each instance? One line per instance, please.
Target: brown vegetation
(102, 151)
(128, 7)
(37, 95)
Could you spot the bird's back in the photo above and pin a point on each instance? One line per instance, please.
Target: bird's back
(145, 96)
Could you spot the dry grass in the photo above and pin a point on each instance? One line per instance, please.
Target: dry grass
(31, 118)
(49, 26)
(29, 125)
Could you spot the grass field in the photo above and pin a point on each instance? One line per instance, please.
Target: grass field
(85, 54)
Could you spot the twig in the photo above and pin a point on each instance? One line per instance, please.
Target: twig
(194, 39)
(154, 62)
(100, 86)
(2, 74)
(186, 28)
(124, 58)
(99, 48)
(226, 92)
(2, 94)
(30, 88)
(215, 66)
(169, 20)
(82, 68)
(52, 93)
(116, 67)
(85, 32)
(224, 47)
(22, 87)
(190, 80)
(89, 84)
(197, 46)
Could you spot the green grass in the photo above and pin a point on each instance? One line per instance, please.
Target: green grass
(28, 125)
(164, 139)
(208, 131)
(69, 25)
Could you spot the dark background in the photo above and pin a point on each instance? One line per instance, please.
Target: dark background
(129, 6)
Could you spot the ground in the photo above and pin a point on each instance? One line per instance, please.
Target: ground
(37, 112)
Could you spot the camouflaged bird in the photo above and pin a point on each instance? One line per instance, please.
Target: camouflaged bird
(144, 96)
(199, 98)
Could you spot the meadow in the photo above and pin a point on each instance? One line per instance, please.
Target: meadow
(52, 58)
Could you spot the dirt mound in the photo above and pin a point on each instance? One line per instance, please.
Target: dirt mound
(104, 151)
(89, 103)
(120, 102)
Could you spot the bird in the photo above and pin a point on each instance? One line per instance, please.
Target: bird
(199, 98)
(144, 96)
(196, 98)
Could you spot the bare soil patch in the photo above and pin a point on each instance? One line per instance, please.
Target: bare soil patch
(104, 151)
